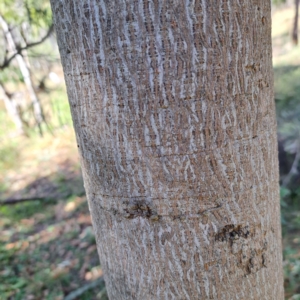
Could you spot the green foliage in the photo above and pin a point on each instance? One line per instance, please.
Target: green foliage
(278, 2)
(43, 250)
(12, 75)
(291, 271)
(59, 106)
(37, 13)
(24, 210)
(9, 154)
(287, 95)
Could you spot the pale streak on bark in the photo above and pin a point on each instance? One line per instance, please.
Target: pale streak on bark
(37, 109)
(172, 103)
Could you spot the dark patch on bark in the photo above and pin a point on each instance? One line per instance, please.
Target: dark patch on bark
(140, 209)
(232, 232)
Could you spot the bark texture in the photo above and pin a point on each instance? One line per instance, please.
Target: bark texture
(172, 103)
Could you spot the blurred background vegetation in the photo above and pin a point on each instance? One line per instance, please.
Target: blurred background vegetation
(47, 244)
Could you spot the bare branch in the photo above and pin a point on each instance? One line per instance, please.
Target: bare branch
(19, 50)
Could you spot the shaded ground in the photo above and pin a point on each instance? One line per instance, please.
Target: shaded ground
(47, 251)
(47, 247)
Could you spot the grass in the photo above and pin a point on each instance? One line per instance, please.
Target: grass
(47, 248)
(47, 251)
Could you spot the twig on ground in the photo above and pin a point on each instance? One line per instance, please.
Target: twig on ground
(75, 294)
(20, 200)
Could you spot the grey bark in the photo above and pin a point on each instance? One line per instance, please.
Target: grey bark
(172, 104)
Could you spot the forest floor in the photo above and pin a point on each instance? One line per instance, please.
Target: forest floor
(47, 246)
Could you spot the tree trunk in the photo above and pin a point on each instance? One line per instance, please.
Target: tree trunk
(37, 108)
(172, 103)
(295, 26)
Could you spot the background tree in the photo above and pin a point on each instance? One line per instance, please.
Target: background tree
(173, 109)
(23, 25)
(295, 27)
(295, 23)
